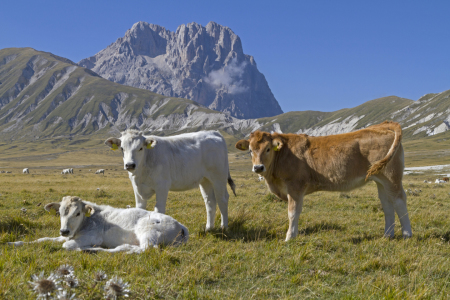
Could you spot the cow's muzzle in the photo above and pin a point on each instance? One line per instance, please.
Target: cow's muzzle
(259, 168)
(64, 232)
(130, 167)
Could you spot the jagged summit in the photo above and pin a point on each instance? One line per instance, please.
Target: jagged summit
(204, 64)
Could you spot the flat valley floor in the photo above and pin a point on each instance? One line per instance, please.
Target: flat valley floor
(340, 253)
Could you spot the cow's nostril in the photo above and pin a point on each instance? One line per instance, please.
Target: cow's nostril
(64, 232)
(258, 168)
(130, 166)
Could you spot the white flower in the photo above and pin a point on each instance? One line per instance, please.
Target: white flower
(63, 295)
(71, 281)
(115, 287)
(44, 286)
(100, 276)
(65, 271)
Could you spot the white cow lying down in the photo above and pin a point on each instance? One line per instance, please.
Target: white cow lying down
(91, 227)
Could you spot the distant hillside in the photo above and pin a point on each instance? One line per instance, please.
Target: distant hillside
(43, 95)
(46, 96)
(204, 64)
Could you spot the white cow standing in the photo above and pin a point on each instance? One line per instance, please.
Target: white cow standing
(157, 165)
(26, 171)
(65, 171)
(91, 227)
(100, 171)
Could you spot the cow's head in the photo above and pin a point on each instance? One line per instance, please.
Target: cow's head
(262, 146)
(72, 211)
(133, 145)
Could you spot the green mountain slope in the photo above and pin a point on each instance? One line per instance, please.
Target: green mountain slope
(43, 95)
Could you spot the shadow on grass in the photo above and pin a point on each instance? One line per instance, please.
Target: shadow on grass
(238, 230)
(243, 234)
(322, 226)
(364, 238)
(17, 225)
(443, 236)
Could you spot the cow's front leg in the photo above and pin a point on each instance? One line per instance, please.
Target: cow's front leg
(84, 240)
(295, 205)
(45, 239)
(161, 199)
(141, 199)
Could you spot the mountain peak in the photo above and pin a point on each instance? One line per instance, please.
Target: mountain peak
(204, 64)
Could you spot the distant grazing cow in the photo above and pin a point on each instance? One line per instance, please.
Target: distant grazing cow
(91, 227)
(26, 171)
(156, 165)
(100, 171)
(65, 171)
(446, 179)
(295, 165)
(439, 181)
(2, 171)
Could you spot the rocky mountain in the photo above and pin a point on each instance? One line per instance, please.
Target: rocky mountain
(204, 64)
(46, 96)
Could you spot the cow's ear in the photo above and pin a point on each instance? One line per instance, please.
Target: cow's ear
(277, 144)
(113, 143)
(88, 210)
(52, 207)
(242, 145)
(150, 143)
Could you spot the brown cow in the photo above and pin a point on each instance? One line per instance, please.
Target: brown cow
(295, 165)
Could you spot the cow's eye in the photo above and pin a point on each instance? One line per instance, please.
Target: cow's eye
(268, 149)
(78, 214)
(140, 149)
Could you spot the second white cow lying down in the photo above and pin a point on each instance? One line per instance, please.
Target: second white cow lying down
(91, 227)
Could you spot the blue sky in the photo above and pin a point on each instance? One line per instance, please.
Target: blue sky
(316, 55)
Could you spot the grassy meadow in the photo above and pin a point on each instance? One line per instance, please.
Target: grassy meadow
(340, 253)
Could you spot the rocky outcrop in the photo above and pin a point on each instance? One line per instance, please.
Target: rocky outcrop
(204, 64)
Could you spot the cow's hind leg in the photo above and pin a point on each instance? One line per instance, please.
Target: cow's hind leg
(396, 201)
(402, 212)
(207, 190)
(125, 247)
(388, 209)
(222, 196)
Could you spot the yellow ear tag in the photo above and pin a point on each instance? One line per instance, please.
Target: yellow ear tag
(242, 147)
(276, 148)
(115, 147)
(150, 146)
(52, 211)
(87, 214)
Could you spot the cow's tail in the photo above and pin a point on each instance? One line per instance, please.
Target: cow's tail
(376, 167)
(231, 183)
